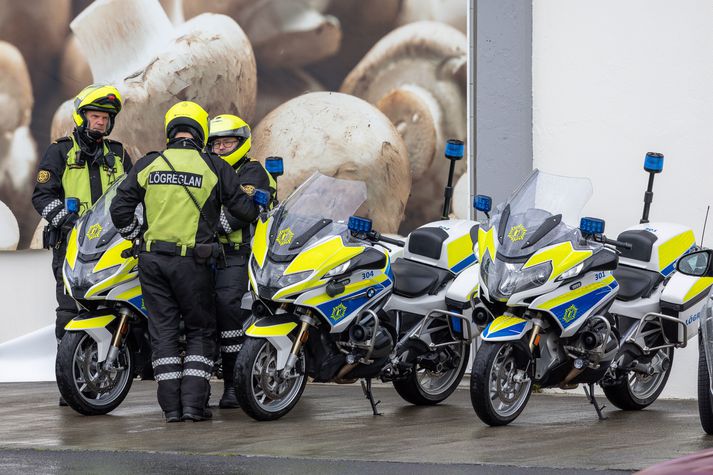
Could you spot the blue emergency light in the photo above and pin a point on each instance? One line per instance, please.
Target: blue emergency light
(261, 198)
(483, 203)
(591, 225)
(358, 224)
(454, 149)
(72, 205)
(274, 166)
(653, 163)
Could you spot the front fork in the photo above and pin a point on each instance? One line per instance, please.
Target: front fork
(117, 340)
(301, 339)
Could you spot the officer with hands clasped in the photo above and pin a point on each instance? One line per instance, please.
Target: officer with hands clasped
(182, 190)
(81, 166)
(230, 139)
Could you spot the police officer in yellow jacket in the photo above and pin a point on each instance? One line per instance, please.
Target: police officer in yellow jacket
(182, 189)
(230, 139)
(82, 165)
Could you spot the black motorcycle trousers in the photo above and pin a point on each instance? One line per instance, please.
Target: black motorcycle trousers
(176, 288)
(66, 306)
(231, 282)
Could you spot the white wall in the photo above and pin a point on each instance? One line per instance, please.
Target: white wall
(27, 292)
(612, 80)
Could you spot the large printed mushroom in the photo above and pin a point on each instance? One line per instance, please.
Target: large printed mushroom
(37, 28)
(416, 75)
(9, 231)
(18, 154)
(451, 12)
(283, 33)
(154, 64)
(341, 136)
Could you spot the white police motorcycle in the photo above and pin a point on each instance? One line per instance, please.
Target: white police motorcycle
(698, 268)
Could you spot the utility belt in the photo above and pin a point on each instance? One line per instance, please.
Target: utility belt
(201, 253)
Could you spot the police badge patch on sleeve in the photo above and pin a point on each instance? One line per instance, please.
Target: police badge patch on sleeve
(43, 176)
(248, 189)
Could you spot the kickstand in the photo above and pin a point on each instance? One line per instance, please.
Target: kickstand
(593, 401)
(366, 387)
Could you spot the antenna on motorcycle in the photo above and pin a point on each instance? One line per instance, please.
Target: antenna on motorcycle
(454, 152)
(653, 163)
(705, 223)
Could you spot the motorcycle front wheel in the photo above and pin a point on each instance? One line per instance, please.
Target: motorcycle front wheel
(83, 382)
(425, 387)
(263, 392)
(635, 391)
(500, 382)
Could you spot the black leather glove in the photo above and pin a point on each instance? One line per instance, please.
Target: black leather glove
(68, 223)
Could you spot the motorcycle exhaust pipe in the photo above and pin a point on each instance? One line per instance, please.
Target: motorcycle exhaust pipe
(577, 368)
(339, 379)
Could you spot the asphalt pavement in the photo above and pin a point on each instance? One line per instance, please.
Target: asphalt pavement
(332, 430)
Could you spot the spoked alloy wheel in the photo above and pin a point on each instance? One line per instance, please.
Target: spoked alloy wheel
(84, 383)
(636, 391)
(501, 382)
(264, 393)
(428, 386)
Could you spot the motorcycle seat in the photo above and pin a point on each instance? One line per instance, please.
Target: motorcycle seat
(414, 279)
(635, 283)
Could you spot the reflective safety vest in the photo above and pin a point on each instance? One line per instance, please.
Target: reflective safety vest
(236, 238)
(75, 179)
(171, 214)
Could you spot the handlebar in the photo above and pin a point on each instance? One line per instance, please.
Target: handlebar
(614, 242)
(387, 240)
(377, 237)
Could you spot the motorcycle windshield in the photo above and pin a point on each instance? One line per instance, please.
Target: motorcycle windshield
(321, 206)
(97, 230)
(544, 210)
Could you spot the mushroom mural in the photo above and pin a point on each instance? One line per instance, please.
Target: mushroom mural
(18, 154)
(341, 136)
(207, 59)
(9, 231)
(416, 75)
(262, 60)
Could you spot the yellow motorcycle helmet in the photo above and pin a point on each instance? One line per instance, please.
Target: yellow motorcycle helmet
(187, 115)
(97, 97)
(227, 125)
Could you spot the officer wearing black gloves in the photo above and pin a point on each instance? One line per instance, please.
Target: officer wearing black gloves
(230, 139)
(182, 189)
(82, 165)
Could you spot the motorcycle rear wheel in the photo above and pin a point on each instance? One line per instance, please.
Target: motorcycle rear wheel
(83, 383)
(423, 387)
(497, 397)
(634, 391)
(261, 395)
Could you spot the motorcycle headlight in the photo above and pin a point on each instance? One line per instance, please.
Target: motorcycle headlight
(287, 280)
(517, 279)
(340, 269)
(573, 272)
